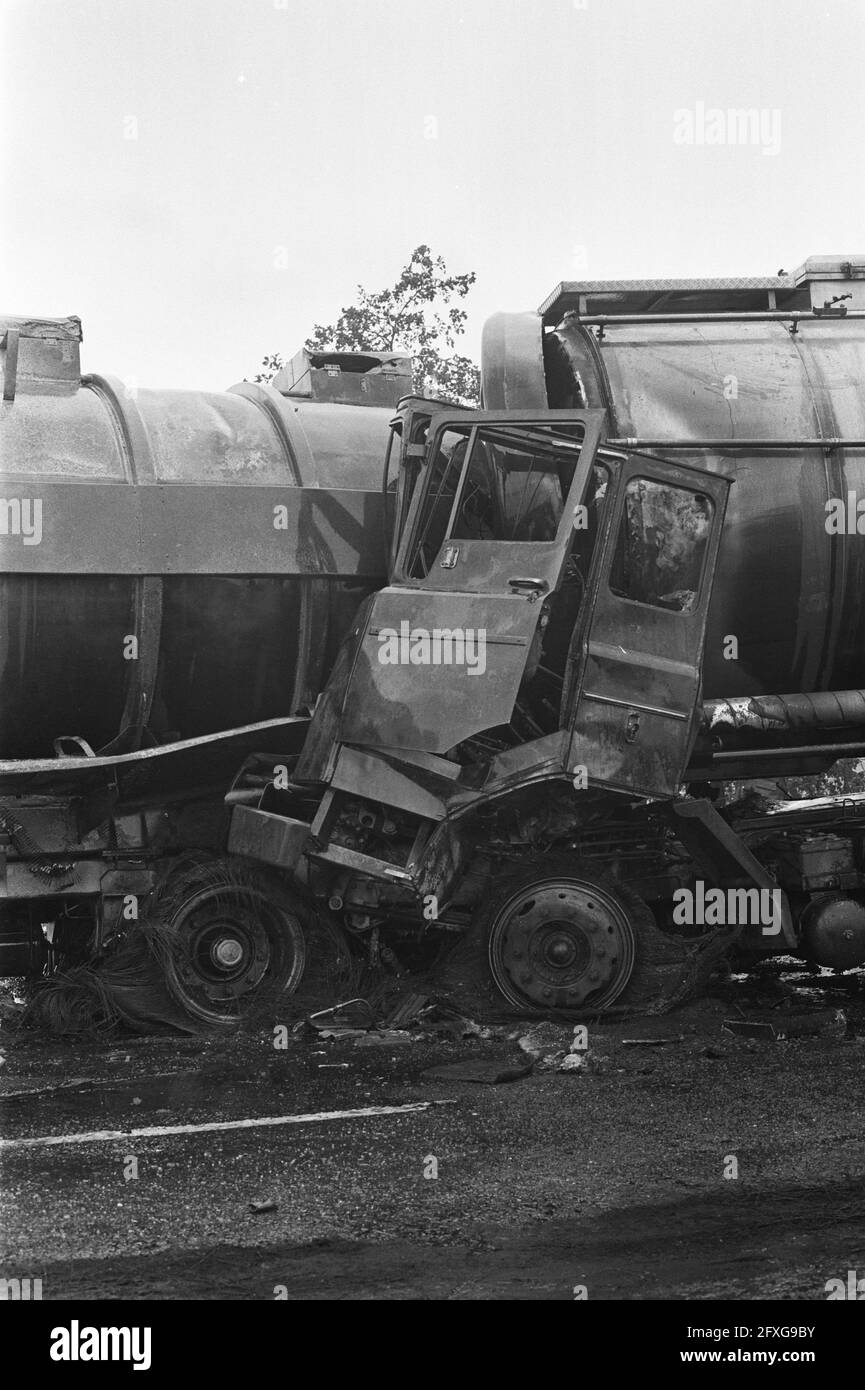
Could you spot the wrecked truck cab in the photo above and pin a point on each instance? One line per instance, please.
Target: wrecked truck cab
(534, 570)
(534, 661)
(544, 621)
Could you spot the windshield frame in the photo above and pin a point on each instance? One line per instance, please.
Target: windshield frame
(516, 429)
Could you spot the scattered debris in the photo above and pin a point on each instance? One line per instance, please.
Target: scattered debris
(551, 1045)
(546, 1039)
(459, 1028)
(441, 1019)
(354, 1014)
(489, 1073)
(412, 1015)
(749, 1028)
(385, 1036)
(652, 1042)
(574, 1061)
(11, 1011)
(825, 1023)
(406, 1010)
(338, 1034)
(265, 1204)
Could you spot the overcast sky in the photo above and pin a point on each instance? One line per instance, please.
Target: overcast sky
(203, 180)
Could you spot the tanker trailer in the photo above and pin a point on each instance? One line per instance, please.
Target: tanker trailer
(179, 569)
(628, 580)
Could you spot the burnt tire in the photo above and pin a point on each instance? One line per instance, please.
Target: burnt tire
(565, 940)
(234, 936)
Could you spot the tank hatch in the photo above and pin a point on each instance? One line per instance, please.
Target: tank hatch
(346, 378)
(40, 356)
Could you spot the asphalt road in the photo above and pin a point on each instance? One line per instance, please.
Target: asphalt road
(616, 1177)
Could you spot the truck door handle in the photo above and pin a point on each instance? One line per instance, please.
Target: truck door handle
(534, 586)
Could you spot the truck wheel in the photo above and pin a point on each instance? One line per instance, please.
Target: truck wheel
(236, 939)
(562, 938)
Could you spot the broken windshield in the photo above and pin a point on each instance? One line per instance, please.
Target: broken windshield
(661, 547)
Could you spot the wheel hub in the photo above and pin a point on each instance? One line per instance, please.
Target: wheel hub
(227, 955)
(238, 942)
(227, 952)
(560, 949)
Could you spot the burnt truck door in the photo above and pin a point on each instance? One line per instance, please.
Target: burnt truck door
(484, 526)
(637, 654)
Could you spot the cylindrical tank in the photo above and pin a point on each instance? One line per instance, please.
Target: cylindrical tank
(176, 562)
(787, 588)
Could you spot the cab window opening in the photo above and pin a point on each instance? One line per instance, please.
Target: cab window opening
(661, 546)
(511, 487)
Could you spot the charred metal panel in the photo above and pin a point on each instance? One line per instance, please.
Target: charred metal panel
(429, 704)
(85, 878)
(267, 838)
(518, 767)
(380, 776)
(642, 636)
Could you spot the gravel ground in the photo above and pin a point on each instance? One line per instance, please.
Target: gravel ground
(610, 1176)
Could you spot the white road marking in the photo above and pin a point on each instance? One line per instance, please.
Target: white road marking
(102, 1136)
